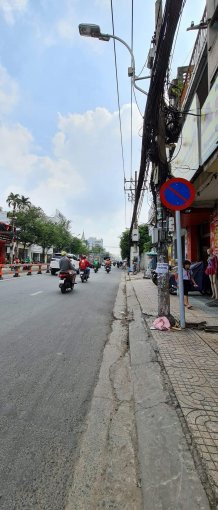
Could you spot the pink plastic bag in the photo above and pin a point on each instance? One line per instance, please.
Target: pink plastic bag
(162, 323)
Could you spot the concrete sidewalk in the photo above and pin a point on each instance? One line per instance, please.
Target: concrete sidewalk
(187, 364)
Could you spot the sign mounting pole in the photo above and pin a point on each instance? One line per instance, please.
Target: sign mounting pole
(180, 270)
(178, 194)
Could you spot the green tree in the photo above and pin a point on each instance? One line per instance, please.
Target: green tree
(145, 238)
(46, 234)
(78, 247)
(26, 225)
(13, 201)
(24, 203)
(144, 241)
(125, 244)
(96, 249)
(63, 237)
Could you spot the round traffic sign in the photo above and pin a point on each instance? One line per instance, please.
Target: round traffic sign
(177, 194)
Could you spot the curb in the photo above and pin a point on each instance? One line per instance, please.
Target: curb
(168, 474)
(105, 474)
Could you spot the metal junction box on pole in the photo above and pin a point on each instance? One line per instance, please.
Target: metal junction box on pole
(135, 235)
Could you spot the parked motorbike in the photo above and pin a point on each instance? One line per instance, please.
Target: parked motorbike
(172, 281)
(198, 272)
(67, 280)
(84, 275)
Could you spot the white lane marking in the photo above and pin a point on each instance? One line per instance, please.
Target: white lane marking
(36, 293)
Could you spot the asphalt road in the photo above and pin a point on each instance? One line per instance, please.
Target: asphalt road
(51, 348)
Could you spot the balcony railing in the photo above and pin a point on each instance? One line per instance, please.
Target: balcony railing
(199, 46)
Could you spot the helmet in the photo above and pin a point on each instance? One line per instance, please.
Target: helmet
(63, 253)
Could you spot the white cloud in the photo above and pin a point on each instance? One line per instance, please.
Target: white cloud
(10, 8)
(45, 179)
(16, 151)
(82, 176)
(92, 141)
(63, 29)
(8, 92)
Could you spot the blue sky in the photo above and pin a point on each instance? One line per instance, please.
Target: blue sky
(59, 125)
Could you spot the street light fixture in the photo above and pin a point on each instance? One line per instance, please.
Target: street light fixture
(91, 30)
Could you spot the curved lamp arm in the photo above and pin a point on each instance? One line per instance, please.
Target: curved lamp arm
(107, 37)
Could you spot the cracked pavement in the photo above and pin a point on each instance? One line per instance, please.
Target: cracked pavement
(106, 475)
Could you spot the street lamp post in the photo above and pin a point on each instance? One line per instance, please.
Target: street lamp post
(89, 30)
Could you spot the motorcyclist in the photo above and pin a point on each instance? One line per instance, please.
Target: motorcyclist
(107, 264)
(65, 263)
(84, 264)
(96, 264)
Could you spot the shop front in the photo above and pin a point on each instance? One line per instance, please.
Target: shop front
(5, 240)
(197, 238)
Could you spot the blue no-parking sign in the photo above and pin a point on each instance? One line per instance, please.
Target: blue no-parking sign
(177, 194)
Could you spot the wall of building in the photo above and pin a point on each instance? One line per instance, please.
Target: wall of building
(212, 41)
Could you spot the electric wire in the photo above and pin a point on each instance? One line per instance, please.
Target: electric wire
(118, 102)
(118, 92)
(178, 151)
(176, 37)
(155, 95)
(131, 85)
(137, 103)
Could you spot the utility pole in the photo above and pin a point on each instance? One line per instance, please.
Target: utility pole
(162, 258)
(134, 241)
(134, 250)
(162, 254)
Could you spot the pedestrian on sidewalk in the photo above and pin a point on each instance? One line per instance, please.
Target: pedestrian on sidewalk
(188, 280)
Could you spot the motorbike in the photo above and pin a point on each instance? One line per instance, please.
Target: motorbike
(84, 275)
(95, 269)
(108, 269)
(198, 272)
(67, 280)
(172, 281)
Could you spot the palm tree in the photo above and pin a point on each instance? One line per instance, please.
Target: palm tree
(14, 201)
(24, 202)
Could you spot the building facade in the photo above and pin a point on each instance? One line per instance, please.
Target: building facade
(5, 237)
(196, 155)
(93, 242)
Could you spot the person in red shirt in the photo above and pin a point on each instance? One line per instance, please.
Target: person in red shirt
(84, 264)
